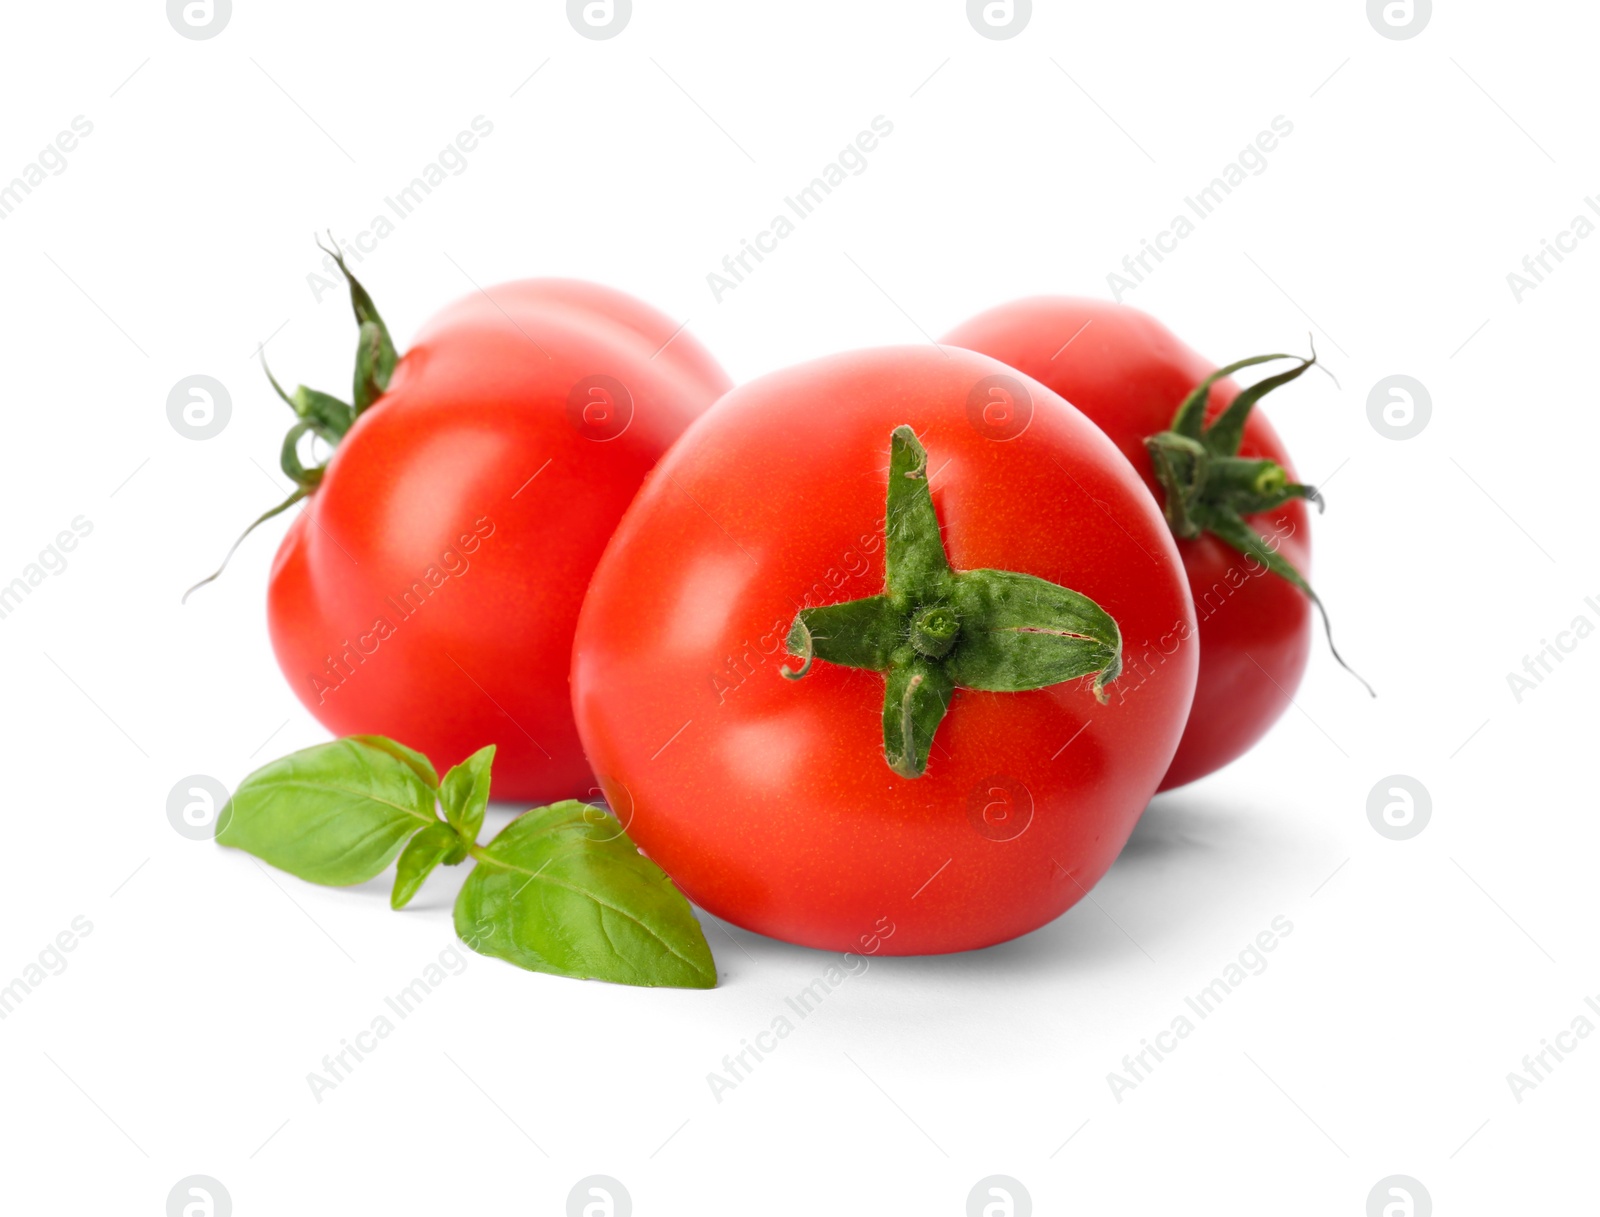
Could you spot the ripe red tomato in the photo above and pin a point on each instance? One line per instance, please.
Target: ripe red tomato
(430, 587)
(782, 805)
(1128, 373)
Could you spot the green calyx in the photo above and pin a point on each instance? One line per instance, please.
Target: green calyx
(322, 415)
(934, 630)
(1210, 488)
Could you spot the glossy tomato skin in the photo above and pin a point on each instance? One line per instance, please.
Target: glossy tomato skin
(429, 588)
(1128, 373)
(769, 801)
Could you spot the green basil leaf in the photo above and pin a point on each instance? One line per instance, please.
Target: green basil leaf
(563, 890)
(334, 814)
(414, 760)
(433, 845)
(464, 794)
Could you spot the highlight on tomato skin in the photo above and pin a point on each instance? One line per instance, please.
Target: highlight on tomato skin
(1129, 374)
(784, 805)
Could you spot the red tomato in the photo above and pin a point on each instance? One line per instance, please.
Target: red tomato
(1128, 373)
(430, 587)
(771, 802)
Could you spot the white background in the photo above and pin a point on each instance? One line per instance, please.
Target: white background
(1418, 973)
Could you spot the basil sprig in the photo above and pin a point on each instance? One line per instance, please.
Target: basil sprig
(561, 889)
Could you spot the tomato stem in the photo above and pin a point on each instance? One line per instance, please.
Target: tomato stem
(934, 629)
(1210, 488)
(321, 414)
(300, 493)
